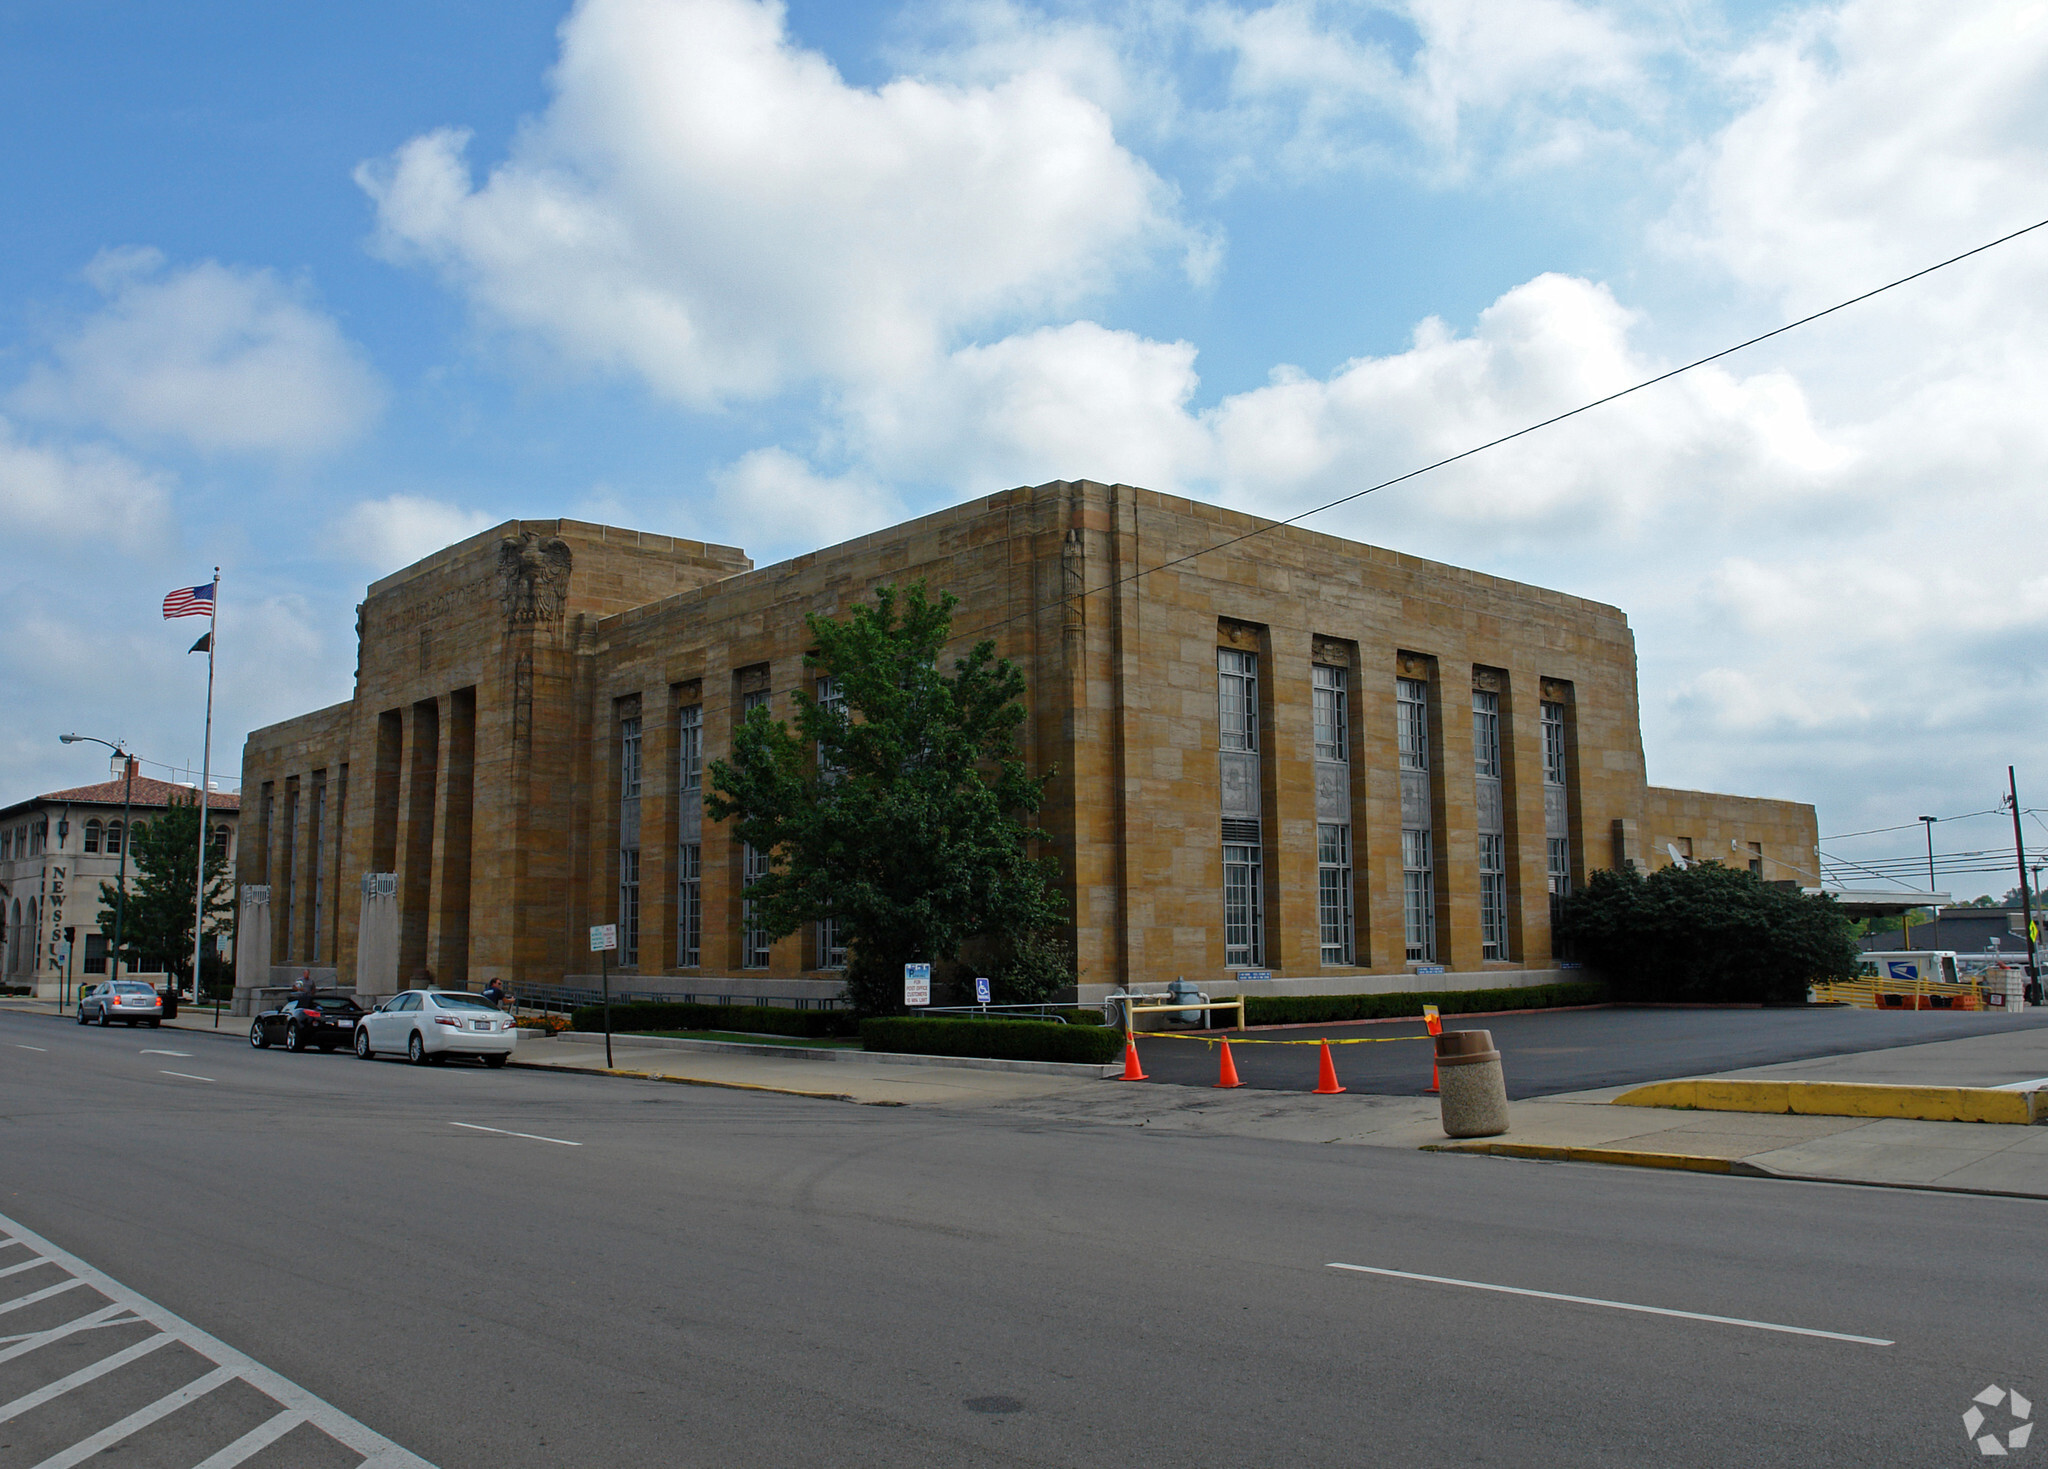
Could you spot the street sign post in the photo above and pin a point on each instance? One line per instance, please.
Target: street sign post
(604, 937)
(917, 984)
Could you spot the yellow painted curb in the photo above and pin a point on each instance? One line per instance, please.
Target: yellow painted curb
(1630, 1157)
(1844, 1099)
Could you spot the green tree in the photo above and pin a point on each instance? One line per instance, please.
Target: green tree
(898, 809)
(1707, 933)
(156, 921)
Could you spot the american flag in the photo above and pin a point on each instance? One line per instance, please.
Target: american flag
(190, 602)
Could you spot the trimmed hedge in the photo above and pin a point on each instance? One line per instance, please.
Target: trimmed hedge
(1009, 1040)
(757, 1019)
(1322, 1009)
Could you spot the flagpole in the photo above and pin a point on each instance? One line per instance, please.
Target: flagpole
(205, 779)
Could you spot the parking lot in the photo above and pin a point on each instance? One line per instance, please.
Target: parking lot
(1547, 1052)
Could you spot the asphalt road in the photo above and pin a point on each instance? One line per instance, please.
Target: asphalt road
(719, 1277)
(1548, 1052)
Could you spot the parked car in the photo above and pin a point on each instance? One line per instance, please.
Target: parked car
(432, 1025)
(325, 1021)
(127, 1000)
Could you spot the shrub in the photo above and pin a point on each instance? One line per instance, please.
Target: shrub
(679, 1015)
(1010, 1040)
(1323, 1009)
(1707, 934)
(553, 1024)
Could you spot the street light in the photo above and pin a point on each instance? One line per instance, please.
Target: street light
(127, 833)
(1935, 908)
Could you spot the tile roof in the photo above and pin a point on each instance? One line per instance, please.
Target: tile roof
(148, 792)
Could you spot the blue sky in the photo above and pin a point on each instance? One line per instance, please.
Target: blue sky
(310, 292)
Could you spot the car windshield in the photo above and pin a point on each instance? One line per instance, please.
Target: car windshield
(463, 1002)
(125, 988)
(335, 1003)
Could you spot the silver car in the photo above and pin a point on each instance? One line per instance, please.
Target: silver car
(127, 1000)
(432, 1025)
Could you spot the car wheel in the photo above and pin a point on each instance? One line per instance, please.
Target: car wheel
(494, 1062)
(105, 1020)
(81, 1008)
(293, 1041)
(362, 1042)
(258, 1036)
(416, 1050)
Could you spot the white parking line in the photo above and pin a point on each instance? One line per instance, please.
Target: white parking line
(195, 863)
(45, 1049)
(186, 1074)
(296, 1406)
(534, 1136)
(1551, 1295)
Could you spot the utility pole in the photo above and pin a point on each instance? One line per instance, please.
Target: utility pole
(1933, 907)
(2019, 847)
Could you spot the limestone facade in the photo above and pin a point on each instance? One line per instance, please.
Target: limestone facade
(1294, 756)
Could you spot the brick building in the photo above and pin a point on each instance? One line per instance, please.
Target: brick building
(1296, 755)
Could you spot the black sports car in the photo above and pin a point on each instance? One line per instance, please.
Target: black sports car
(325, 1021)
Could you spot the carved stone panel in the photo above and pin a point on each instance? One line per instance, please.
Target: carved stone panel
(1415, 800)
(1240, 783)
(1333, 791)
(1488, 793)
(533, 577)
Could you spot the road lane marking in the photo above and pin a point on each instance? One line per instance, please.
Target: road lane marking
(186, 1074)
(42, 1295)
(224, 1364)
(99, 1369)
(536, 1137)
(24, 1265)
(44, 1049)
(169, 1053)
(1551, 1295)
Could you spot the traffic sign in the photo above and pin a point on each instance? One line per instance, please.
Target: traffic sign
(603, 936)
(981, 990)
(917, 984)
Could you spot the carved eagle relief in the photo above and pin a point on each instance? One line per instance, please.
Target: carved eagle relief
(533, 577)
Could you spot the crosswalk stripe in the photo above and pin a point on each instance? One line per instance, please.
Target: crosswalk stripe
(82, 1376)
(42, 1295)
(140, 1419)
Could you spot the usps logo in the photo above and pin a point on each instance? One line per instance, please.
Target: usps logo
(2017, 1412)
(1901, 969)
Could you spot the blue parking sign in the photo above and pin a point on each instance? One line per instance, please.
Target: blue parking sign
(981, 990)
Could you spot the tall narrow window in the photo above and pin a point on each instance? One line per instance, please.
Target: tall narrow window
(1330, 697)
(754, 945)
(690, 748)
(629, 906)
(1332, 714)
(629, 759)
(1237, 698)
(831, 944)
(1333, 890)
(629, 838)
(752, 700)
(1557, 831)
(831, 700)
(1237, 706)
(1493, 844)
(1418, 838)
(1243, 904)
(92, 840)
(114, 835)
(690, 833)
(690, 905)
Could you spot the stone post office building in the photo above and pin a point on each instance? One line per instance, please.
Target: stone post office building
(1297, 756)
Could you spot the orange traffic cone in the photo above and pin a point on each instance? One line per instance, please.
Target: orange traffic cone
(1227, 1073)
(1132, 1070)
(1432, 1075)
(1326, 1084)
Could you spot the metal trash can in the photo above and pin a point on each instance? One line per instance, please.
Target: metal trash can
(1473, 1090)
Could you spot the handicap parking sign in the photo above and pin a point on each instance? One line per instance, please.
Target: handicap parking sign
(981, 990)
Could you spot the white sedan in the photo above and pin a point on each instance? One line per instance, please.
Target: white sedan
(432, 1025)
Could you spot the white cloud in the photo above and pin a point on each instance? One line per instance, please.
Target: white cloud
(712, 208)
(772, 500)
(394, 532)
(224, 359)
(79, 494)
